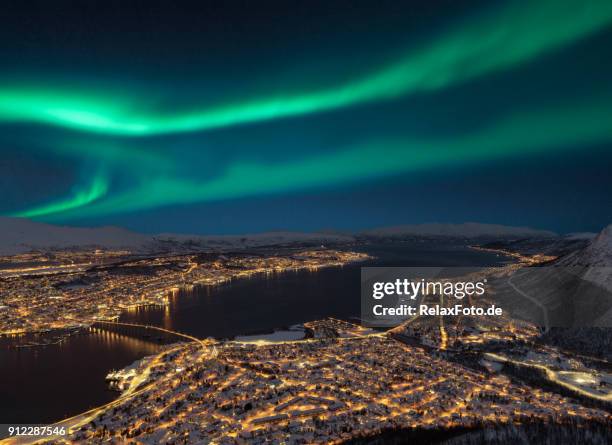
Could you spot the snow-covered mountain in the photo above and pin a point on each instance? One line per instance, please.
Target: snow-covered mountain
(252, 240)
(596, 259)
(575, 289)
(594, 264)
(466, 230)
(597, 253)
(579, 236)
(18, 235)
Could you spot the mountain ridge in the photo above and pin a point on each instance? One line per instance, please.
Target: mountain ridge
(20, 235)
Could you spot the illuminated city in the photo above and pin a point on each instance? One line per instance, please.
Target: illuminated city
(356, 222)
(76, 291)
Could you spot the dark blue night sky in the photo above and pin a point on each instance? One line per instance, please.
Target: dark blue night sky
(251, 116)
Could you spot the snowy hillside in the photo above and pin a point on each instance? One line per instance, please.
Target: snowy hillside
(596, 258)
(597, 253)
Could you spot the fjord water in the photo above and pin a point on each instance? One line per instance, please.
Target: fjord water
(49, 383)
(262, 303)
(46, 384)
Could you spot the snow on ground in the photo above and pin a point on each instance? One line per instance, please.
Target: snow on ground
(596, 259)
(277, 336)
(591, 383)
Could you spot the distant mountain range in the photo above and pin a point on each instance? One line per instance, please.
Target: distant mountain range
(19, 235)
(465, 230)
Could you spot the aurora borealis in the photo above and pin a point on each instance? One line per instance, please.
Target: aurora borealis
(511, 36)
(402, 95)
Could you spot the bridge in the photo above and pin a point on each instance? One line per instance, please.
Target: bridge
(141, 329)
(75, 422)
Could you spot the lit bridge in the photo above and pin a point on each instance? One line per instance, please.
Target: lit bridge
(122, 327)
(75, 422)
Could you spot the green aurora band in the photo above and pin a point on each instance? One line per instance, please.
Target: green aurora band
(522, 134)
(97, 189)
(135, 178)
(507, 37)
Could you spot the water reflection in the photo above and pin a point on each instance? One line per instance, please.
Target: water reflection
(259, 303)
(45, 384)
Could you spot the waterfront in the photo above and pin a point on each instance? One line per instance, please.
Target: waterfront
(49, 383)
(267, 301)
(45, 384)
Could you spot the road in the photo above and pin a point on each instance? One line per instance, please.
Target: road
(533, 300)
(552, 376)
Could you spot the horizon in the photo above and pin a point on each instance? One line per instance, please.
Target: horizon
(323, 231)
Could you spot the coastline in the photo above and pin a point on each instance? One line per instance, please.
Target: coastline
(162, 295)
